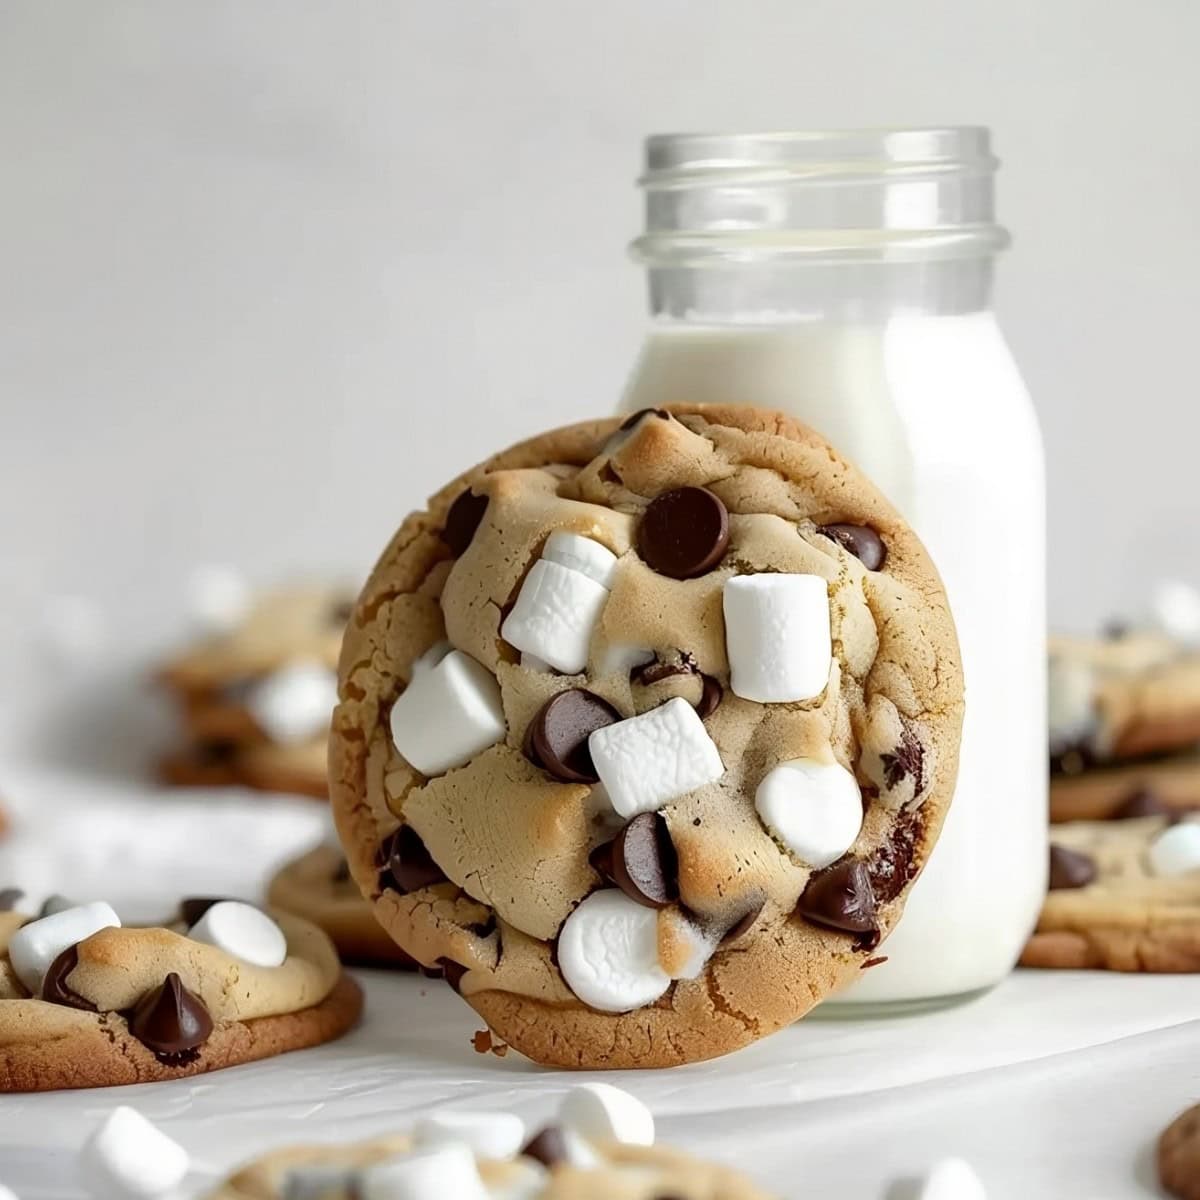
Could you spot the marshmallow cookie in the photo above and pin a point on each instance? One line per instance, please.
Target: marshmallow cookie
(85, 1002)
(599, 1147)
(255, 697)
(1179, 1156)
(645, 731)
(1124, 896)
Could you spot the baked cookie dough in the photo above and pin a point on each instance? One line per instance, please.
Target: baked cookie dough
(1124, 896)
(1179, 1156)
(317, 886)
(489, 1155)
(1156, 787)
(254, 701)
(85, 1002)
(645, 732)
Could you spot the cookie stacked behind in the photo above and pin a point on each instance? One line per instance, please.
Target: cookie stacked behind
(255, 700)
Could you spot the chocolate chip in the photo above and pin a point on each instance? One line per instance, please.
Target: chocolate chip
(908, 759)
(452, 972)
(740, 928)
(633, 418)
(841, 897)
(1143, 803)
(711, 695)
(171, 1021)
(462, 520)
(660, 669)
(557, 740)
(406, 865)
(216, 751)
(684, 533)
(54, 982)
(641, 861)
(549, 1147)
(1070, 868)
(340, 613)
(194, 907)
(10, 898)
(341, 873)
(860, 540)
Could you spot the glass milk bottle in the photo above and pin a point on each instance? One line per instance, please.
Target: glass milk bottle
(846, 278)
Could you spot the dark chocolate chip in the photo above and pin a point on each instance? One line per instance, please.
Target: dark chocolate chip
(452, 972)
(659, 669)
(340, 613)
(841, 897)
(216, 751)
(171, 1021)
(908, 759)
(557, 740)
(684, 533)
(462, 520)
(10, 898)
(549, 1147)
(741, 927)
(711, 695)
(406, 865)
(194, 907)
(860, 540)
(633, 418)
(641, 861)
(1070, 868)
(894, 865)
(1143, 803)
(54, 982)
(341, 873)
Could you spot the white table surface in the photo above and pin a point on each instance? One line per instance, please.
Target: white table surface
(1053, 1086)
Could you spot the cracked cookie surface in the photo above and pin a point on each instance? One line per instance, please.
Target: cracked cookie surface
(478, 866)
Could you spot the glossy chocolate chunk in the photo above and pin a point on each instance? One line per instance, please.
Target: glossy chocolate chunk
(549, 1146)
(10, 898)
(684, 533)
(171, 1021)
(406, 865)
(1070, 868)
(710, 697)
(841, 897)
(462, 520)
(860, 540)
(194, 907)
(557, 740)
(54, 982)
(684, 663)
(1143, 803)
(641, 861)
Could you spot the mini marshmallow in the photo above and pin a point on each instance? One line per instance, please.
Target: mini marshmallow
(555, 613)
(646, 761)
(494, 1135)
(431, 1173)
(35, 946)
(1175, 608)
(814, 808)
(218, 598)
(603, 1113)
(951, 1179)
(295, 703)
(620, 659)
(608, 953)
(130, 1157)
(1176, 850)
(448, 714)
(242, 931)
(582, 554)
(777, 635)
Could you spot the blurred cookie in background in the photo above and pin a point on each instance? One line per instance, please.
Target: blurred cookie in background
(1154, 787)
(255, 692)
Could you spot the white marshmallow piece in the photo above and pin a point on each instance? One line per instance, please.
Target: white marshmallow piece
(1176, 851)
(603, 1113)
(294, 704)
(951, 1179)
(814, 808)
(683, 947)
(777, 636)
(585, 555)
(1175, 609)
(35, 946)
(555, 613)
(646, 761)
(431, 1173)
(494, 1135)
(1070, 699)
(218, 598)
(7, 1193)
(129, 1157)
(448, 714)
(242, 931)
(608, 953)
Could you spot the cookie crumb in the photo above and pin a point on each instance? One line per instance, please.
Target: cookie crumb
(485, 1043)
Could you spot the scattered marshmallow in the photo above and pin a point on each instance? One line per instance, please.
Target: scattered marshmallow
(430, 1173)
(448, 714)
(683, 947)
(777, 635)
(1175, 610)
(494, 1135)
(1176, 850)
(555, 613)
(585, 555)
(603, 1113)
(620, 659)
(1070, 696)
(35, 946)
(608, 953)
(294, 704)
(814, 808)
(218, 598)
(951, 1179)
(130, 1157)
(646, 761)
(244, 932)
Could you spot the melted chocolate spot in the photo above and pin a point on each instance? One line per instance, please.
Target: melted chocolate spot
(907, 760)
(860, 540)
(659, 669)
(406, 865)
(894, 865)
(172, 1022)
(54, 983)
(684, 533)
(462, 520)
(1070, 868)
(841, 897)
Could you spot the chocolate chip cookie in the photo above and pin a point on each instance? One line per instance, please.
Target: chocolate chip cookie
(1124, 896)
(645, 731)
(1156, 787)
(85, 1002)
(254, 700)
(1179, 1156)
